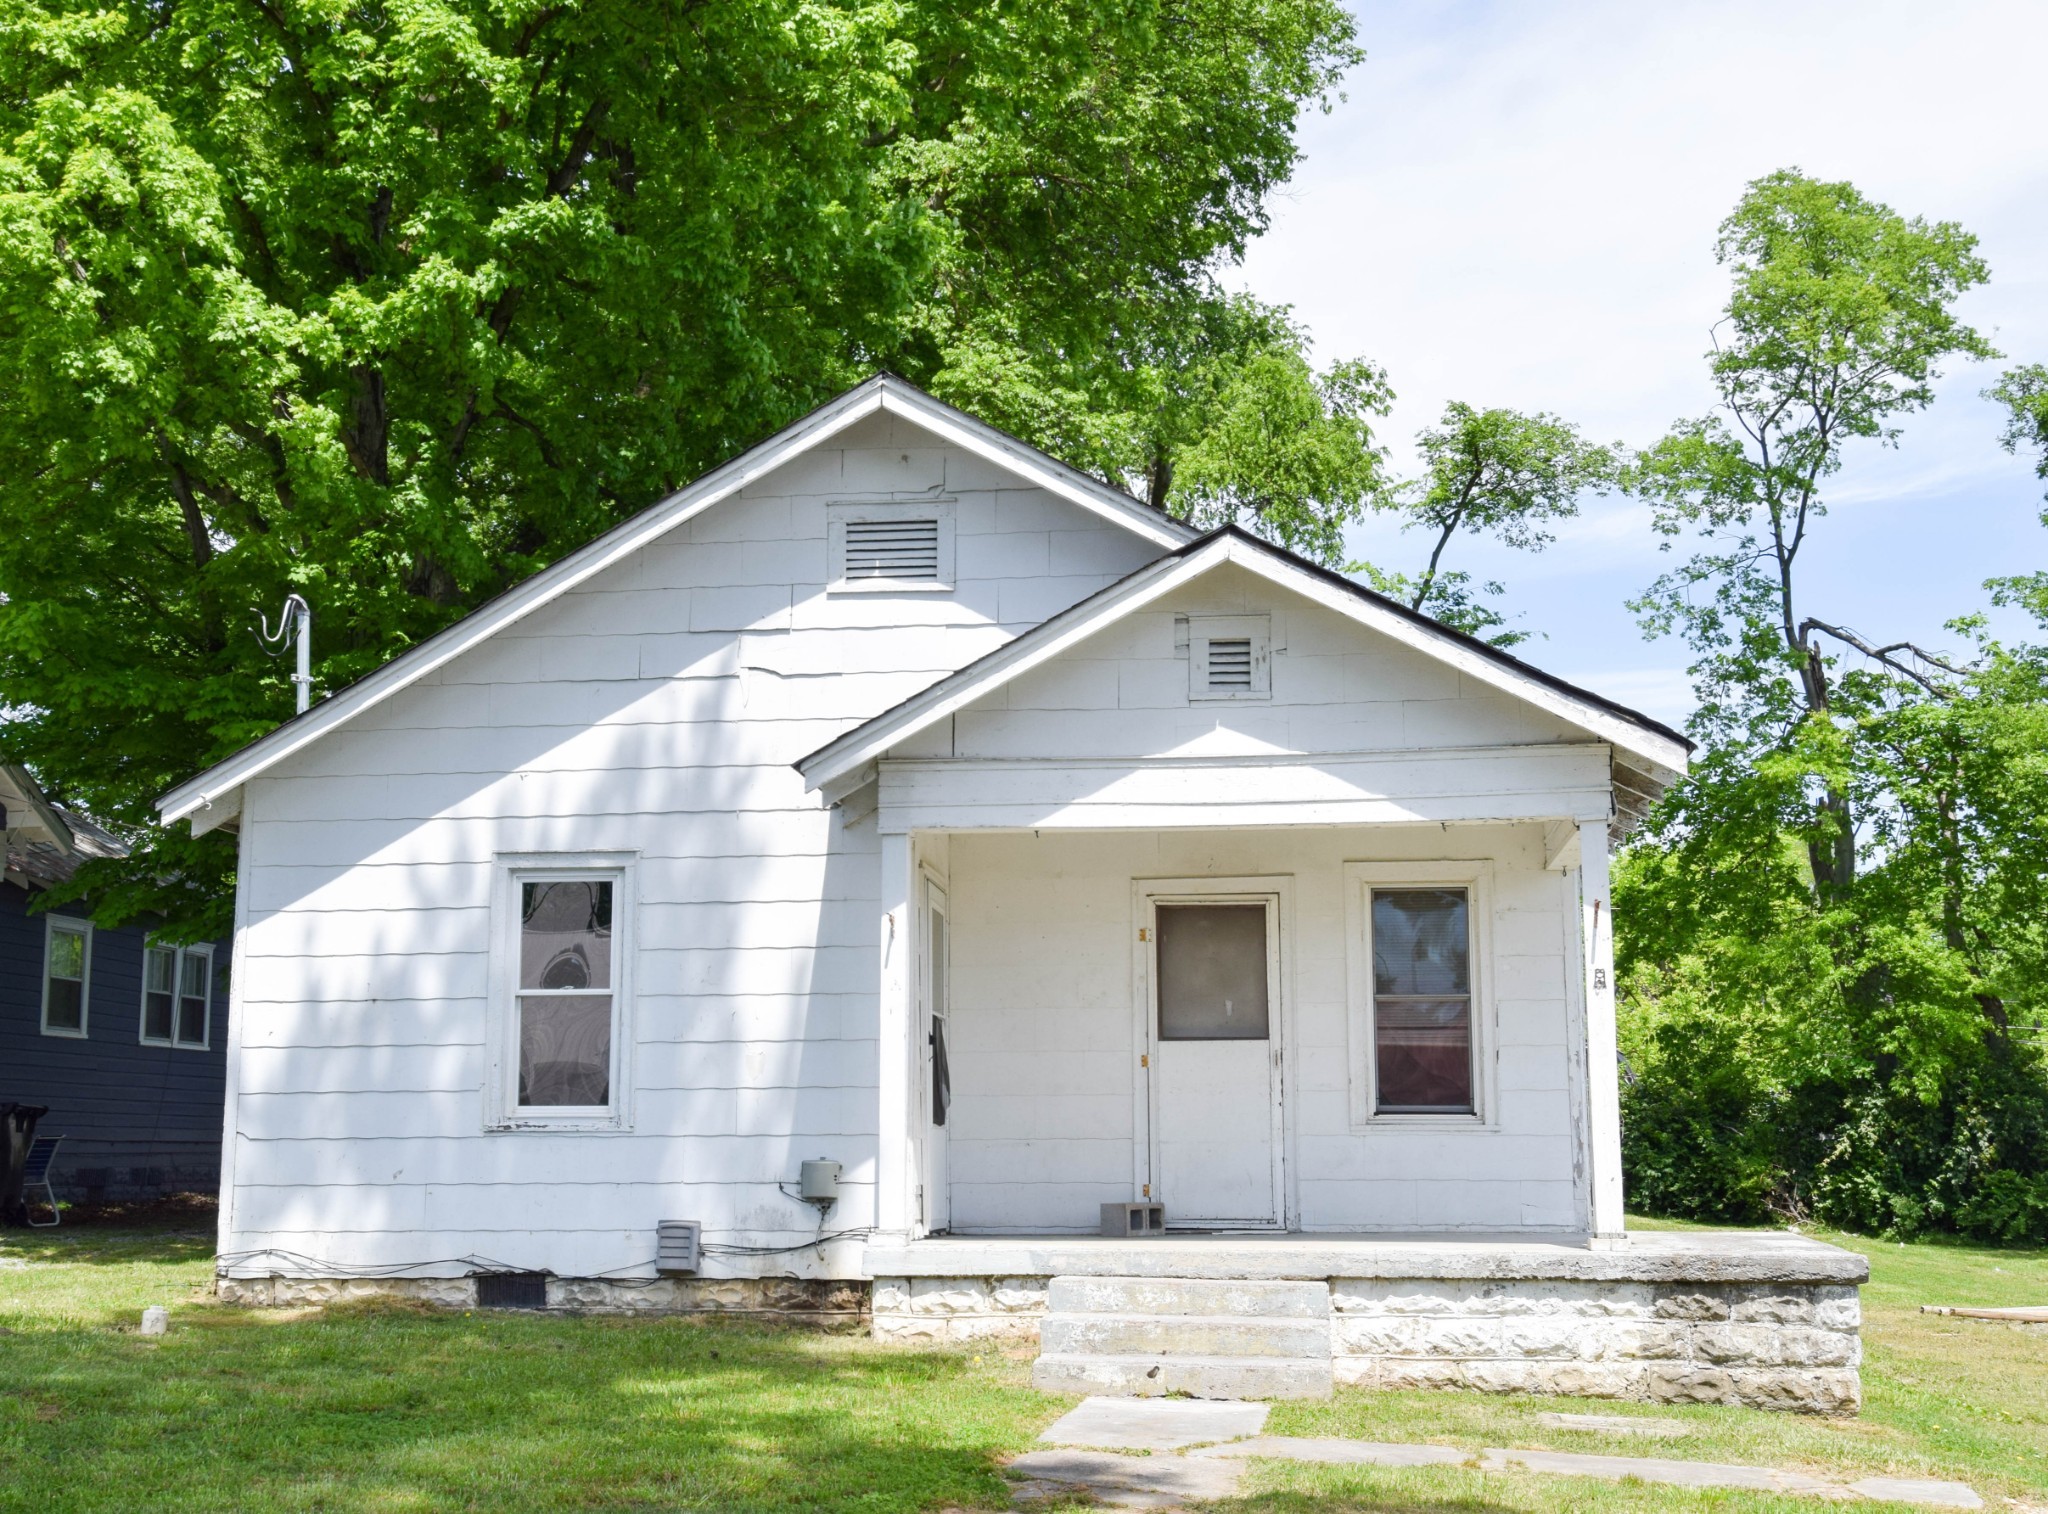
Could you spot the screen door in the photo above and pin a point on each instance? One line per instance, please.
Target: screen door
(935, 994)
(1216, 1061)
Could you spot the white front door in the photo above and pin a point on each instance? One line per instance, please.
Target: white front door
(935, 1002)
(1215, 1057)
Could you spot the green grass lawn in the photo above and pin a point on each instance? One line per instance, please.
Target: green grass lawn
(397, 1408)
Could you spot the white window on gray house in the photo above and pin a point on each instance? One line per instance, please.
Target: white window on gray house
(177, 996)
(894, 546)
(566, 992)
(1230, 657)
(67, 969)
(1422, 1000)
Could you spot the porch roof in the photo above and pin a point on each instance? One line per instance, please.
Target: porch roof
(845, 763)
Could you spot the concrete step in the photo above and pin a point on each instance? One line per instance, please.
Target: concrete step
(1196, 1376)
(1158, 1335)
(1165, 1295)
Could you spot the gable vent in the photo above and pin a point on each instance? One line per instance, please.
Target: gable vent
(900, 549)
(1230, 662)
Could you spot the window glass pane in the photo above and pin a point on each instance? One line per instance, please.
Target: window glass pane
(67, 953)
(1425, 1053)
(66, 1004)
(1422, 1003)
(159, 969)
(565, 933)
(193, 973)
(942, 1003)
(1212, 972)
(156, 1016)
(192, 1022)
(565, 1050)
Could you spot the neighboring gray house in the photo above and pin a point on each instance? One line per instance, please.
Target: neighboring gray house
(123, 1038)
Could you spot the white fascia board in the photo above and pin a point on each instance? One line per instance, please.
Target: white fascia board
(828, 420)
(867, 743)
(993, 446)
(1666, 754)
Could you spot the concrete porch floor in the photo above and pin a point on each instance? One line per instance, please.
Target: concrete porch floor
(1643, 1257)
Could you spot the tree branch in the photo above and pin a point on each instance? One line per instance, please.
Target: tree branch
(1884, 655)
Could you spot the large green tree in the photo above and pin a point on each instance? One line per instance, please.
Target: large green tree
(1497, 473)
(1841, 313)
(1830, 941)
(391, 305)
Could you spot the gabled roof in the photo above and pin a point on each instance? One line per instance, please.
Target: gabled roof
(44, 842)
(1653, 745)
(883, 394)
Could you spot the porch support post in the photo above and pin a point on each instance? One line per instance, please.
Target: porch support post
(1603, 1080)
(895, 1159)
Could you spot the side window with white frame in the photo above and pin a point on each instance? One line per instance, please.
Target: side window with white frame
(561, 971)
(1419, 969)
(1230, 657)
(67, 974)
(177, 996)
(890, 546)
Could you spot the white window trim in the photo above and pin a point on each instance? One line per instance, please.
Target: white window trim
(1203, 629)
(70, 924)
(839, 512)
(1476, 878)
(142, 1034)
(501, 1078)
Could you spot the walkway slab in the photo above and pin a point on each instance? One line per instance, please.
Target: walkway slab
(1155, 1424)
(1941, 1495)
(1329, 1449)
(1123, 1482)
(1677, 1474)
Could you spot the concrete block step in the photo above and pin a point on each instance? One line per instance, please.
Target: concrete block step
(1164, 1295)
(1195, 1376)
(1184, 1335)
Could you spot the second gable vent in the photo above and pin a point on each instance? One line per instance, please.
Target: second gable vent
(1230, 662)
(902, 549)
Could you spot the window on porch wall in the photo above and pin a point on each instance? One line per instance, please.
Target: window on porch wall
(1422, 1000)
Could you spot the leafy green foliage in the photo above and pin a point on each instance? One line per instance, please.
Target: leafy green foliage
(393, 307)
(1830, 946)
(1497, 473)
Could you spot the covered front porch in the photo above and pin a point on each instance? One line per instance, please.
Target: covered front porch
(1334, 1029)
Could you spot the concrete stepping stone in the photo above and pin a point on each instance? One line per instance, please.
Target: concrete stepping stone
(1364, 1453)
(1123, 1482)
(1615, 1424)
(1941, 1495)
(1651, 1469)
(1155, 1424)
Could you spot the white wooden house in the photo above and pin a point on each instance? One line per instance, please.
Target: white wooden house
(899, 797)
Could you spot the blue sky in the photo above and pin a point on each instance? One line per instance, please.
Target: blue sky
(1516, 205)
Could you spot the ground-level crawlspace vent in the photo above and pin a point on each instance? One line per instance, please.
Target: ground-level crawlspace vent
(512, 1290)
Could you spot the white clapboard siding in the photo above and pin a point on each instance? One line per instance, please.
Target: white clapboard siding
(656, 710)
(1043, 947)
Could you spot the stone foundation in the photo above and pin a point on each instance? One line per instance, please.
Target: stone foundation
(813, 1301)
(958, 1308)
(1768, 1345)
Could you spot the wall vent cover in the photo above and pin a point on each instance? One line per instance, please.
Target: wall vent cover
(677, 1245)
(512, 1290)
(902, 550)
(1230, 662)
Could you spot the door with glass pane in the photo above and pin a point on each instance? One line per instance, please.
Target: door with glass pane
(1215, 1059)
(935, 999)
